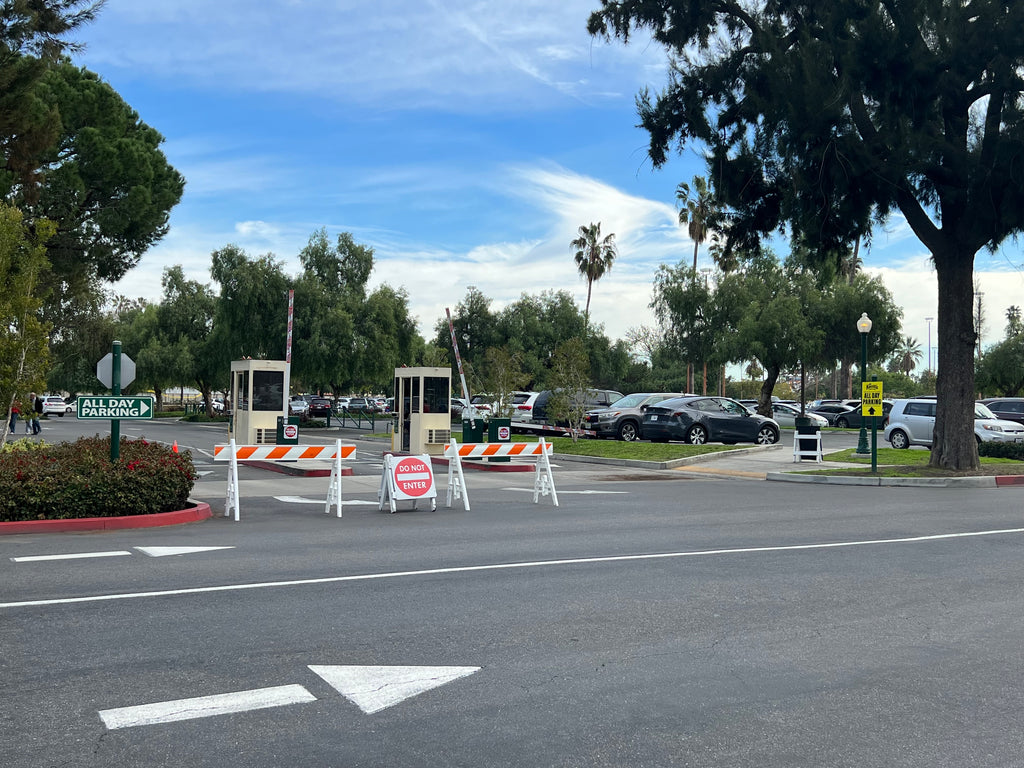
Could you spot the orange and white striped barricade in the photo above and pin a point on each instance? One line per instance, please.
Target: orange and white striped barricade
(235, 453)
(543, 480)
(406, 478)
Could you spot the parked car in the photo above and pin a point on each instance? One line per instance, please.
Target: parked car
(590, 400)
(523, 406)
(696, 419)
(786, 416)
(855, 417)
(831, 411)
(1009, 408)
(341, 404)
(622, 418)
(55, 404)
(457, 406)
(912, 422)
(482, 403)
(320, 407)
(297, 406)
(361, 405)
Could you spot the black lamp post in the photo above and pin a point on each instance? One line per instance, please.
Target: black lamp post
(864, 326)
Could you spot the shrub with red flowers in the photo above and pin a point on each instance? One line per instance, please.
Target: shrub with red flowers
(71, 480)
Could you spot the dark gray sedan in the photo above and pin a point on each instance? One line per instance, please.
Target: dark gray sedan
(697, 420)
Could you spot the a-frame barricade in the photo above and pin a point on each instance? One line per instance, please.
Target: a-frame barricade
(234, 453)
(543, 480)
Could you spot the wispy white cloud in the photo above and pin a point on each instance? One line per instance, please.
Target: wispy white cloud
(448, 53)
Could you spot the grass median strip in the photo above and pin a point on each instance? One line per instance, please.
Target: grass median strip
(893, 462)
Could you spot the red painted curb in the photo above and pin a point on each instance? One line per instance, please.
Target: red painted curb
(1009, 480)
(200, 511)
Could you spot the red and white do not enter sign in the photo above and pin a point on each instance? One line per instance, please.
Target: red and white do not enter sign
(413, 477)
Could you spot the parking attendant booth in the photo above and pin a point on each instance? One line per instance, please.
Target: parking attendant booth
(257, 400)
(422, 416)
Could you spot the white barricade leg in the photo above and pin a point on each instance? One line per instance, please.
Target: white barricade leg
(456, 480)
(231, 500)
(334, 489)
(544, 481)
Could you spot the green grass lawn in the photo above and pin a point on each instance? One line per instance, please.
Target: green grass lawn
(892, 462)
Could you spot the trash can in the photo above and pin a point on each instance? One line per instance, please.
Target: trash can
(287, 433)
(473, 432)
(499, 430)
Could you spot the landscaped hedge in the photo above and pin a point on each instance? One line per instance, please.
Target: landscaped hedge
(1002, 450)
(40, 481)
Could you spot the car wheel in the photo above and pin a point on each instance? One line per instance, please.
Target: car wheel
(767, 435)
(697, 435)
(898, 439)
(628, 431)
(842, 423)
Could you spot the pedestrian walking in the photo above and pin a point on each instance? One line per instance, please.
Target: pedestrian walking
(15, 413)
(37, 411)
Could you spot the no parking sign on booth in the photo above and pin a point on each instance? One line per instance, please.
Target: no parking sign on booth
(407, 478)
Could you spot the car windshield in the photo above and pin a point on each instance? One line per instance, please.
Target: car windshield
(630, 401)
(981, 411)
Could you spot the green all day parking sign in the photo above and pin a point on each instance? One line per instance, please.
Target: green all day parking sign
(115, 407)
(871, 398)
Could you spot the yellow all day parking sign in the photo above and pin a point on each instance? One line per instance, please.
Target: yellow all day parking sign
(871, 398)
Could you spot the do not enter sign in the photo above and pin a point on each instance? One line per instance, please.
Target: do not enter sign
(413, 478)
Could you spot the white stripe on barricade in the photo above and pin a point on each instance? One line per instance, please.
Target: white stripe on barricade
(543, 480)
(235, 453)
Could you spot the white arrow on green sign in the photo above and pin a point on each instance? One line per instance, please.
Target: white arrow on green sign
(115, 407)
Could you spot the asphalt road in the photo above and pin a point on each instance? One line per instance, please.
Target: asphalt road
(651, 619)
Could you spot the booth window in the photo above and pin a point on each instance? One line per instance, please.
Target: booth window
(435, 394)
(268, 390)
(242, 391)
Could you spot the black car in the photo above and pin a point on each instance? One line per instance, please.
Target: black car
(1009, 408)
(622, 418)
(697, 419)
(854, 418)
(832, 411)
(591, 399)
(320, 407)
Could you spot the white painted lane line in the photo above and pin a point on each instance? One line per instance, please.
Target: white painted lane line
(205, 706)
(506, 566)
(581, 493)
(167, 551)
(76, 556)
(303, 500)
(375, 688)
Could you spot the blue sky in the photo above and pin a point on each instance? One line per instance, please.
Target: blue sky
(465, 141)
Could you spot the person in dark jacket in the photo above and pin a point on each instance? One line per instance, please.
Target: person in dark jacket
(37, 411)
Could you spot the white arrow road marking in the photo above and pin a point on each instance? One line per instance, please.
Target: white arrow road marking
(375, 688)
(165, 551)
(76, 556)
(302, 500)
(204, 472)
(582, 493)
(205, 706)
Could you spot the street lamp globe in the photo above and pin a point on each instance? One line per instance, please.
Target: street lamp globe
(864, 324)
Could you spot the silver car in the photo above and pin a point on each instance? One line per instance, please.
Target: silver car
(912, 422)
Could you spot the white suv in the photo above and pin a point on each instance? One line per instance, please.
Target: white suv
(912, 422)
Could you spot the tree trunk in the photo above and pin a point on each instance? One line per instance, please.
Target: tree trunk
(764, 402)
(845, 379)
(954, 445)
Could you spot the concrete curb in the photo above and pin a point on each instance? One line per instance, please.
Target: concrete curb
(201, 511)
(672, 463)
(986, 481)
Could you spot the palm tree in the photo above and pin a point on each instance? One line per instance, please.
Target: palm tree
(695, 211)
(908, 354)
(594, 257)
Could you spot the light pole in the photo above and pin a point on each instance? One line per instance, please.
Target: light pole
(864, 326)
(929, 321)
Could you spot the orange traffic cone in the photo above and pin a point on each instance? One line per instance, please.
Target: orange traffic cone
(175, 446)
